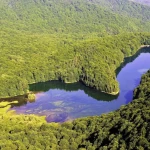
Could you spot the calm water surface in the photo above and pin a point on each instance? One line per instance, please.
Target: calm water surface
(61, 102)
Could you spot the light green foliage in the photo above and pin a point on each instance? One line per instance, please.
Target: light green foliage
(44, 57)
(4, 107)
(45, 40)
(74, 16)
(30, 97)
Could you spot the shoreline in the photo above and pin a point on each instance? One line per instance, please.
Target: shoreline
(112, 93)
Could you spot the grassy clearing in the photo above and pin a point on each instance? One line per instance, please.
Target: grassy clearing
(5, 106)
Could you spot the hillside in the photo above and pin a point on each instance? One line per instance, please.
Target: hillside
(126, 8)
(75, 16)
(68, 41)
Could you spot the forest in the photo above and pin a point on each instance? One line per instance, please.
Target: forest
(71, 41)
(145, 2)
(44, 59)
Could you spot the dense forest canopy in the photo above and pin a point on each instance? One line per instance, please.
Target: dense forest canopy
(59, 16)
(42, 58)
(72, 41)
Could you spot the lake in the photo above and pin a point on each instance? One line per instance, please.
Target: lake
(61, 102)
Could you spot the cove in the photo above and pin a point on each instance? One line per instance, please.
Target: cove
(60, 102)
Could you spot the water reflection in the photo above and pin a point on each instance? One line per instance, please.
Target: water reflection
(72, 87)
(132, 58)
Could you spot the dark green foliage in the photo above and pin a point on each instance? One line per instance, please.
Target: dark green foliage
(127, 128)
(144, 89)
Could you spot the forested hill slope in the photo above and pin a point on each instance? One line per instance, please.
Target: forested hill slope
(126, 7)
(68, 40)
(128, 128)
(75, 16)
(26, 59)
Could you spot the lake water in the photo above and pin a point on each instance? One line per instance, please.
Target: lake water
(60, 102)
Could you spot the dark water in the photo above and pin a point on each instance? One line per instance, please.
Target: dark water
(61, 102)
